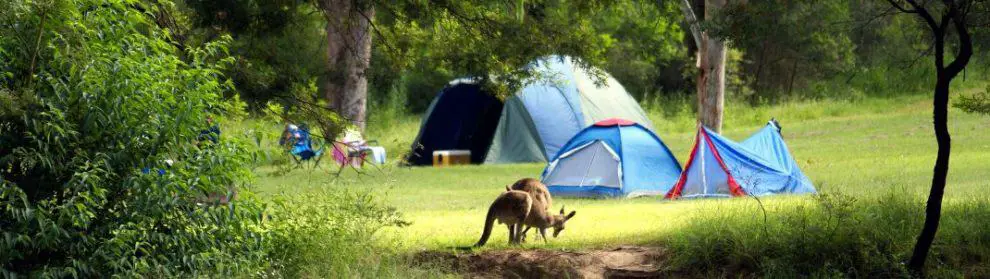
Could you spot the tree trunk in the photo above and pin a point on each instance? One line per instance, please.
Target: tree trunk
(349, 56)
(336, 63)
(933, 211)
(790, 84)
(711, 76)
(355, 99)
(940, 116)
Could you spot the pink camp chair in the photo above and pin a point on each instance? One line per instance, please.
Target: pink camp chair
(353, 154)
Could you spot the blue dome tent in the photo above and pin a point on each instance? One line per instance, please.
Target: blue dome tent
(529, 126)
(760, 165)
(615, 158)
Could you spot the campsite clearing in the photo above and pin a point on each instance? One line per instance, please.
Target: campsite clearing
(872, 161)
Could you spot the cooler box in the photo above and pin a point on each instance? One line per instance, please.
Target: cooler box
(451, 157)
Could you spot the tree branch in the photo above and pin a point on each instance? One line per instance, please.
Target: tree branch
(921, 11)
(692, 20)
(965, 42)
(938, 29)
(374, 27)
(901, 8)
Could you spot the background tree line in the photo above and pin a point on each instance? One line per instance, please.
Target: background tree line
(779, 49)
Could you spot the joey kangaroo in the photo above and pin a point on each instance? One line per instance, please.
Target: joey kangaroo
(515, 209)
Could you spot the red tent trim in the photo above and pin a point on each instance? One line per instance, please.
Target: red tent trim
(734, 188)
(675, 192)
(614, 122)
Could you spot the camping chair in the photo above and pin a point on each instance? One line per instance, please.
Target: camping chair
(354, 154)
(300, 144)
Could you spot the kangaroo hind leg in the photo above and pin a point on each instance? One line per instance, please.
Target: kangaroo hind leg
(512, 233)
(519, 233)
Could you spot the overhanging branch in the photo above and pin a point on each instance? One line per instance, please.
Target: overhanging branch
(692, 20)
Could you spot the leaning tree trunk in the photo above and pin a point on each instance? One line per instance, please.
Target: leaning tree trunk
(711, 66)
(349, 56)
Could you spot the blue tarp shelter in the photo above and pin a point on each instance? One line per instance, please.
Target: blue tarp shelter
(614, 157)
(530, 125)
(760, 165)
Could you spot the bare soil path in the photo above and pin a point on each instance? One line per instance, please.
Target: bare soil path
(619, 262)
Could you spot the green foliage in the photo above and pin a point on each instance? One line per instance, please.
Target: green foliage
(787, 43)
(643, 44)
(93, 92)
(976, 103)
(430, 43)
(279, 45)
(280, 51)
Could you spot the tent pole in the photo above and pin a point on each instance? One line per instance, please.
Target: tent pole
(704, 179)
(588, 169)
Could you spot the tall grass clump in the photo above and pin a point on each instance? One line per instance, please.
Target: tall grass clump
(962, 246)
(832, 235)
(332, 234)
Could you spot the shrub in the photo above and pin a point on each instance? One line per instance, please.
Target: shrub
(92, 93)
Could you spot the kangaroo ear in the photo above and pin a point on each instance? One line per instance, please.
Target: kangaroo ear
(561, 210)
(508, 188)
(570, 215)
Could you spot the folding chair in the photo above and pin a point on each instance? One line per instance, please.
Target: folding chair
(353, 154)
(300, 143)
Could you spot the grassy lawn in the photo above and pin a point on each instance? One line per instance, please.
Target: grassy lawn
(885, 148)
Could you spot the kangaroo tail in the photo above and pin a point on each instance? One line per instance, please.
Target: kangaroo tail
(489, 221)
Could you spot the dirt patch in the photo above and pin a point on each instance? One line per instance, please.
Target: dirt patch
(620, 262)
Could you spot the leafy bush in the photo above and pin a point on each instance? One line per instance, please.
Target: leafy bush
(92, 93)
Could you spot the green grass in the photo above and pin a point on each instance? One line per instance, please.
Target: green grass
(875, 153)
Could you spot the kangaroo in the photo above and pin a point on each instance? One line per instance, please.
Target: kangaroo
(537, 190)
(515, 209)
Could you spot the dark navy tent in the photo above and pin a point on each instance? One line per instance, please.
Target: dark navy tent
(531, 125)
(760, 165)
(464, 118)
(613, 157)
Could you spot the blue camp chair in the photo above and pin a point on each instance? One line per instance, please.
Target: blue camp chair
(300, 143)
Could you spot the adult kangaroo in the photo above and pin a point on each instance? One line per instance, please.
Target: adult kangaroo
(535, 188)
(517, 208)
